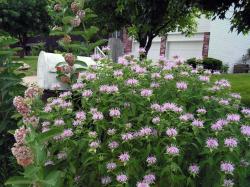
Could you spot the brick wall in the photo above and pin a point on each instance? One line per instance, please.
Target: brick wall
(205, 44)
(127, 42)
(163, 45)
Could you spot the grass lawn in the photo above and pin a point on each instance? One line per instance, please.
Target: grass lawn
(240, 84)
(30, 60)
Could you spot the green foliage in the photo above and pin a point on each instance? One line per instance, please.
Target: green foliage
(212, 64)
(23, 18)
(63, 21)
(11, 86)
(37, 48)
(146, 19)
(76, 152)
(208, 63)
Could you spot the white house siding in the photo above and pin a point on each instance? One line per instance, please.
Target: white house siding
(225, 45)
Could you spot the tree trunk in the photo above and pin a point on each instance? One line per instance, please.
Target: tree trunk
(23, 41)
(146, 42)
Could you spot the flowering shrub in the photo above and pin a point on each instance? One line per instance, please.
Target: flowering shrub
(134, 123)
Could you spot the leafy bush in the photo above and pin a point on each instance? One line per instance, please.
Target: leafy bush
(212, 64)
(37, 48)
(11, 86)
(133, 123)
(208, 63)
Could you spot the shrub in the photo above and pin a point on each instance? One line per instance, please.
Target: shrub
(10, 82)
(212, 64)
(133, 123)
(192, 62)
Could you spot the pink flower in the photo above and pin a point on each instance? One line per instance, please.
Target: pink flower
(204, 78)
(181, 85)
(87, 93)
(146, 92)
(80, 115)
(156, 120)
(155, 75)
(127, 136)
(142, 184)
(233, 117)
(20, 135)
(201, 111)
(231, 142)
(111, 166)
(246, 112)
(194, 169)
(124, 157)
(223, 83)
(67, 133)
(156, 107)
(96, 57)
(228, 183)
(186, 117)
(23, 154)
(122, 178)
(149, 179)
(235, 96)
(115, 113)
(227, 167)
(171, 132)
(212, 143)
(118, 73)
(92, 134)
(145, 131)
(123, 61)
(97, 116)
(21, 105)
(172, 150)
(141, 50)
(77, 86)
(151, 160)
(94, 144)
(132, 82)
(197, 123)
(90, 76)
(154, 85)
(169, 77)
(245, 130)
(106, 49)
(113, 145)
(59, 122)
(111, 132)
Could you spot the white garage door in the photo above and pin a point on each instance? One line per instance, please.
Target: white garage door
(154, 51)
(185, 49)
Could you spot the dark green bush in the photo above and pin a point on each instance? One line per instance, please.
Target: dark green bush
(212, 64)
(192, 62)
(11, 86)
(208, 63)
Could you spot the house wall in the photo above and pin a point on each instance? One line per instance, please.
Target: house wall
(212, 39)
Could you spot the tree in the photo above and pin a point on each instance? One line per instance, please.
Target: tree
(240, 10)
(146, 19)
(22, 18)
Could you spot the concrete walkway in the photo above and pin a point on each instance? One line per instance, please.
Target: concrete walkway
(30, 80)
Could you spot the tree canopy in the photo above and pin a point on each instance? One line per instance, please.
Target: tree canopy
(145, 19)
(22, 18)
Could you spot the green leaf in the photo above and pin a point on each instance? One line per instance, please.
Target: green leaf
(18, 180)
(48, 135)
(81, 63)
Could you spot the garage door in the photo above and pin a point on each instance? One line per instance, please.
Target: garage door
(154, 51)
(185, 49)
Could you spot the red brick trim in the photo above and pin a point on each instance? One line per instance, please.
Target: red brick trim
(163, 46)
(127, 42)
(205, 44)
